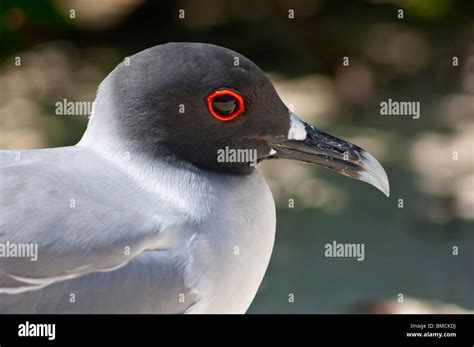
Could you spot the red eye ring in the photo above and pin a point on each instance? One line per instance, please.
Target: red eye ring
(240, 104)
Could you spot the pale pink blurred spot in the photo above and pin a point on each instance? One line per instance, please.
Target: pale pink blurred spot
(355, 83)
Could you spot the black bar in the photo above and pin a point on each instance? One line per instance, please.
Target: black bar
(159, 330)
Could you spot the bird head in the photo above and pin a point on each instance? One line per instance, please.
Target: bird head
(195, 101)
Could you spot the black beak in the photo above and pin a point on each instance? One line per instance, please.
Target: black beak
(308, 144)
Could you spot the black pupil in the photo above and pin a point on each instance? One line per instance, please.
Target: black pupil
(224, 105)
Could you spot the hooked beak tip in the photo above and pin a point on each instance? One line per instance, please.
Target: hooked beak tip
(374, 173)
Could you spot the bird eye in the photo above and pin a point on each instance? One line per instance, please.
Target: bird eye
(225, 104)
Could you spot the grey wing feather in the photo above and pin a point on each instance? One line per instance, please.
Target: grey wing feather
(79, 225)
(150, 283)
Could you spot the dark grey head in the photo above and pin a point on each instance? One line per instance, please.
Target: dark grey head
(214, 108)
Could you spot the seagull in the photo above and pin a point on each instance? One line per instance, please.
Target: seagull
(144, 215)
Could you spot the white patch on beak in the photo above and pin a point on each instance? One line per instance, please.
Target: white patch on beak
(272, 152)
(297, 128)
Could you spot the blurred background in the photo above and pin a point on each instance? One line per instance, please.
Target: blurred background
(67, 47)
